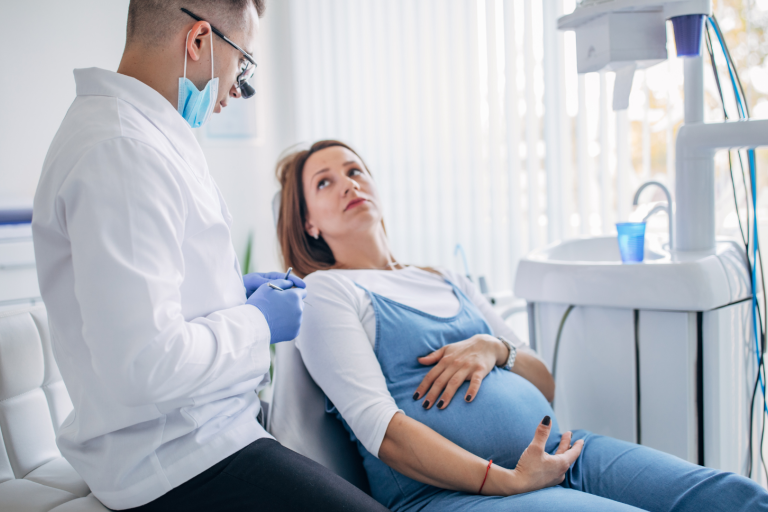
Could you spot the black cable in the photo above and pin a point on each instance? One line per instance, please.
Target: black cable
(761, 360)
(751, 421)
(746, 196)
(745, 105)
(761, 363)
(711, 52)
(762, 279)
(557, 340)
(745, 115)
(752, 404)
(744, 238)
(733, 66)
(760, 368)
(736, 205)
(762, 434)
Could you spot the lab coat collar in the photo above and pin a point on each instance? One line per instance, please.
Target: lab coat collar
(100, 82)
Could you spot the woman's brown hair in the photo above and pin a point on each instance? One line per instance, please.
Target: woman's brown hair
(299, 250)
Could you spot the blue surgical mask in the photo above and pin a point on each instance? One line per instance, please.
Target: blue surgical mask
(196, 106)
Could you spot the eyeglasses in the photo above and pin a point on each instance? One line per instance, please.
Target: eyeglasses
(246, 71)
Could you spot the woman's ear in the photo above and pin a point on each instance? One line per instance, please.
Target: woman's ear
(311, 230)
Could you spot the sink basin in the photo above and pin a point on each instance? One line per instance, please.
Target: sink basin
(604, 249)
(589, 272)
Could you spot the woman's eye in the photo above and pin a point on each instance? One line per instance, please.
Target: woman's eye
(355, 172)
(322, 184)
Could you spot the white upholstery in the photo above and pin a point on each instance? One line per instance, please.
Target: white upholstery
(34, 476)
(298, 419)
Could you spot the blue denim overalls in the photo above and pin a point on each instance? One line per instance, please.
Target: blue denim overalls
(500, 423)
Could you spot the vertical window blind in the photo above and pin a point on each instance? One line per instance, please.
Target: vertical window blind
(476, 126)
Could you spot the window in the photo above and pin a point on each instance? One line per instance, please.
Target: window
(478, 130)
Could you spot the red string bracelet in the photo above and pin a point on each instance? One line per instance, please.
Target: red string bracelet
(486, 476)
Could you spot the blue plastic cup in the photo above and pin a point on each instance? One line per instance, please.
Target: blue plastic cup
(689, 29)
(631, 241)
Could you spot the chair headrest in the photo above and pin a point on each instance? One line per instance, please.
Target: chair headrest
(276, 206)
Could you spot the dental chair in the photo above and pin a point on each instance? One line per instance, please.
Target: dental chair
(298, 420)
(297, 416)
(34, 477)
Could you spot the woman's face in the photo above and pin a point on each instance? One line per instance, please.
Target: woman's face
(340, 195)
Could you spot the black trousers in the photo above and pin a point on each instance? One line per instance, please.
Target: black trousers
(264, 477)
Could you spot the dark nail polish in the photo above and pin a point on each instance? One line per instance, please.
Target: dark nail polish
(416, 395)
(425, 404)
(546, 421)
(468, 398)
(440, 404)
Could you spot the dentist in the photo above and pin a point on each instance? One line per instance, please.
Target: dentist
(160, 341)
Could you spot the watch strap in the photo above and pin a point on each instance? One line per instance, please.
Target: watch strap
(512, 353)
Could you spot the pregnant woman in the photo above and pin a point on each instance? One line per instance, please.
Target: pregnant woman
(432, 384)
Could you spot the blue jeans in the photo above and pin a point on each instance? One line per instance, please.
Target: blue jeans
(616, 476)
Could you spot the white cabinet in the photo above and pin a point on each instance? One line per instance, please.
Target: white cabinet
(595, 374)
(677, 381)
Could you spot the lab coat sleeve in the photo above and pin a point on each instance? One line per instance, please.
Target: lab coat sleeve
(124, 208)
(340, 358)
(497, 324)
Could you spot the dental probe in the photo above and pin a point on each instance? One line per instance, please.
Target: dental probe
(275, 287)
(288, 273)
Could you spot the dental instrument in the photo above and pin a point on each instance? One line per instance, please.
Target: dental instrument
(275, 287)
(290, 269)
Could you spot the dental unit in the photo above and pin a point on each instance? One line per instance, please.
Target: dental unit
(665, 353)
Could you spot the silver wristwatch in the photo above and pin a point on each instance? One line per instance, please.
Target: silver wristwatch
(512, 353)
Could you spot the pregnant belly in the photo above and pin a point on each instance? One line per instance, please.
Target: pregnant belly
(498, 424)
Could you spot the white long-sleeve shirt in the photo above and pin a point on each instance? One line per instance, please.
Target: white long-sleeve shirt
(338, 332)
(159, 352)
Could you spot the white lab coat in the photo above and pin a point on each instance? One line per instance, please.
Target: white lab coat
(159, 352)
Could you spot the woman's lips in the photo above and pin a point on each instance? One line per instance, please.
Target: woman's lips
(354, 203)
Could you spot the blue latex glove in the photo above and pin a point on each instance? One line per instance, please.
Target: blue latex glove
(254, 280)
(282, 309)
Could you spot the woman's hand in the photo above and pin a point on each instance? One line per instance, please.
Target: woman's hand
(537, 469)
(470, 360)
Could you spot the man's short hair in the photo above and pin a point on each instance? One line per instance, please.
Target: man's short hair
(152, 22)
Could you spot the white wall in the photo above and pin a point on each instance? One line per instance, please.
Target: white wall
(47, 39)
(44, 41)
(244, 172)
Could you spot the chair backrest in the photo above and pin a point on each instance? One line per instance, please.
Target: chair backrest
(33, 403)
(297, 416)
(298, 420)
(33, 399)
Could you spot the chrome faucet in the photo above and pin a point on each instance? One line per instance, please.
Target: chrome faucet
(659, 207)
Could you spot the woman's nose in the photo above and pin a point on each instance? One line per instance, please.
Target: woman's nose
(351, 185)
(235, 91)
